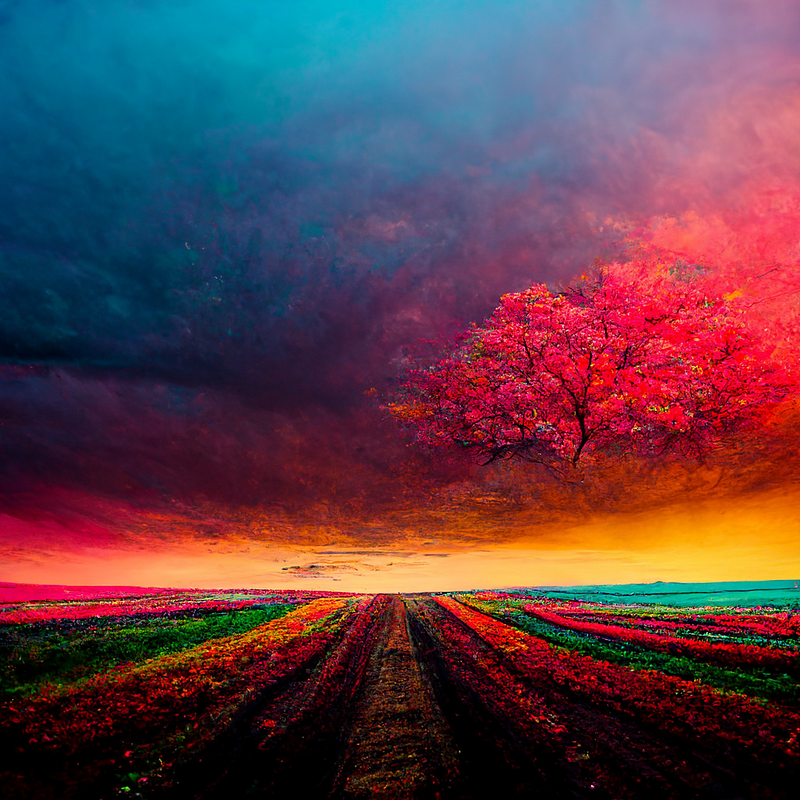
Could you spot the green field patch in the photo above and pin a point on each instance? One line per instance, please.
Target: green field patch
(68, 651)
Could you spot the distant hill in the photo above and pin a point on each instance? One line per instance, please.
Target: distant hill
(722, 593)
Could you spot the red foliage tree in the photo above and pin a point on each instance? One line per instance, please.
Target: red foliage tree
(552, 377)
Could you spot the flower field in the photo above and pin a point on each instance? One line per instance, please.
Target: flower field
(466, 695)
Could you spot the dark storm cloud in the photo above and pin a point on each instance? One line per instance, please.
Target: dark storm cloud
(220, 216)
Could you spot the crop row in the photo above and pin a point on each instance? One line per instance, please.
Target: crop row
(731, 723)
(772, 627)
(540, 733)
(765, 622)
(282, 743)
(751, 681)
(729, 654)
(149, 710)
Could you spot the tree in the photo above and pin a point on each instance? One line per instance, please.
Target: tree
(651, 367)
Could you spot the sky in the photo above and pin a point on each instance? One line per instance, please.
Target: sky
(224, 223)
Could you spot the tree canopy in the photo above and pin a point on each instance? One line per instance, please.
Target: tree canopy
(551, 377)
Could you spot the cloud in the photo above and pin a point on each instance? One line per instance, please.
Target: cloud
(317, 570)
(223, 222)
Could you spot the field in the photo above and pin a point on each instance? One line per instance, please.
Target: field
(523, 693)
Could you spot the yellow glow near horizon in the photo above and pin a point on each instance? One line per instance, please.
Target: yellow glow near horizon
(757, 537)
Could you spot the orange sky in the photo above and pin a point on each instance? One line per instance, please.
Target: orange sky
(757, 537)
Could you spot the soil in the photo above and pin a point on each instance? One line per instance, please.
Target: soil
(399, 744)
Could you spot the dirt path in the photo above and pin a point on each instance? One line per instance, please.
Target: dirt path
(399, 745)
